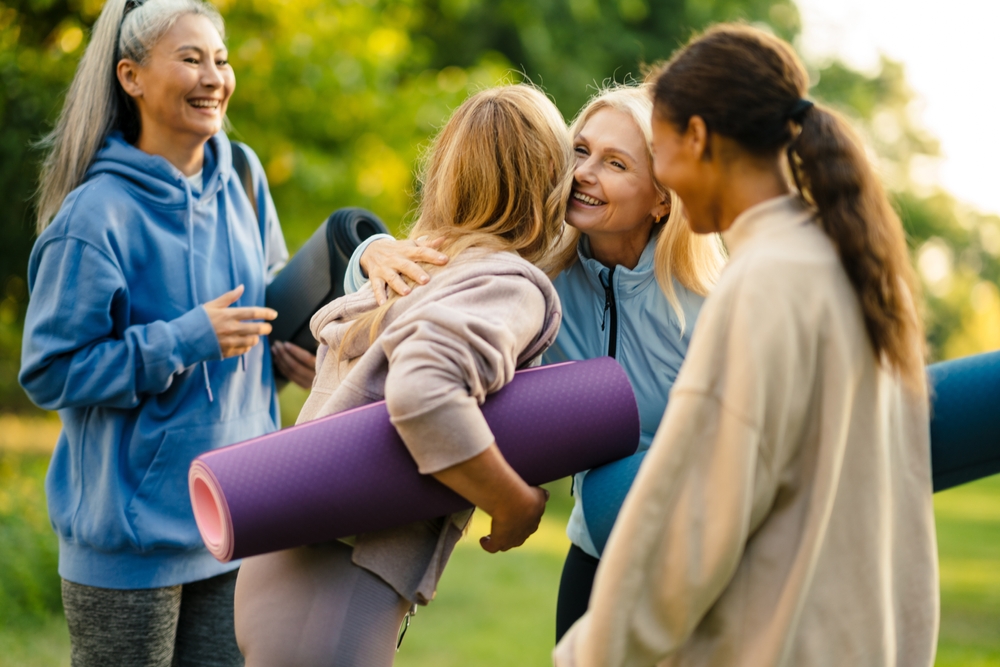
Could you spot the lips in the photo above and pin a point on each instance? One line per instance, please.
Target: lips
(587, 199)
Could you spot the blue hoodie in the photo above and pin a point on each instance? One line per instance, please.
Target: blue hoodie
(117, 341)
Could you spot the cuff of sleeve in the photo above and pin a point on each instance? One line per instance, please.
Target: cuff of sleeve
(196, 339)
(355, 278)
(446, 435)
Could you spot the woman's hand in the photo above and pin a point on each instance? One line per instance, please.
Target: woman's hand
(515, 521)
(488, 482)
(234, 327)
(386, 262)
(295, 363)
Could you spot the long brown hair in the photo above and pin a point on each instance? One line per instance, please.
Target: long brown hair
(694, 260)
(749, 86)
(498, 176)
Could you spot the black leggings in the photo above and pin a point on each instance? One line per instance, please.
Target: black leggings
(574, 588)
(176, 626)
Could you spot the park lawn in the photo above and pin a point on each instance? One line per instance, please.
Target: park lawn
(491, 610)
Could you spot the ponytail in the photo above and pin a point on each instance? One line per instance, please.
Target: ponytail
(95, 103)
(835, 176)
(749, 86)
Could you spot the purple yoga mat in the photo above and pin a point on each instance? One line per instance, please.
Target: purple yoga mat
(350, 473)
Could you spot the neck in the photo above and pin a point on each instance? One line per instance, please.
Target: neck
(185, 153)
(749, 183)
(620, 248)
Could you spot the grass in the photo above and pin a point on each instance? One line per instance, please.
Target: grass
(490, 609)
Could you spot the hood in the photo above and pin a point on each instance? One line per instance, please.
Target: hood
(153, 179)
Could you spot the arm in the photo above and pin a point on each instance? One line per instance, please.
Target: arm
(74, 350)
(444, 358)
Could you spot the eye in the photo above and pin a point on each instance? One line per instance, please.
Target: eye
(221, 62)
(618, 164)
(192, 60)
(581, 150)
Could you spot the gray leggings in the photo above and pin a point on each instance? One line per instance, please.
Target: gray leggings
(178, 626)
(313, 607)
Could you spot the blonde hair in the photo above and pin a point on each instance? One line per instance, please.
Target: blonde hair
(694, 260)
(498, 176)
(95, 103)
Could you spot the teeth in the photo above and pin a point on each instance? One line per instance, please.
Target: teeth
(205, 104)
(587, 199)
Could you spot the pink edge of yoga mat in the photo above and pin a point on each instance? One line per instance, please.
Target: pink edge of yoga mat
(350, 473)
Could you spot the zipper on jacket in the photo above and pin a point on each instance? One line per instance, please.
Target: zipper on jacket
(610, 307)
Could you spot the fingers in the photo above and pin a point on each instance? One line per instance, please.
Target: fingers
(251, 313)
(227, 299)
(427, 242)
(233, 346)
(378, 287)
(397, 284)
(488, 545)
(235, 328)
(293, 362)
(428, 254)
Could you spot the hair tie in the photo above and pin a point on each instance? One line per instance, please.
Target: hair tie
(799, 110)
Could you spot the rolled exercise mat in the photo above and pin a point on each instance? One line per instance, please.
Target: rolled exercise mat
(965, 419)
(315, 275)
(350, 473)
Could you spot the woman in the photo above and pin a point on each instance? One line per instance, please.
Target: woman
(494, 191)
(632, 280)
(143, 225)
(783, 516)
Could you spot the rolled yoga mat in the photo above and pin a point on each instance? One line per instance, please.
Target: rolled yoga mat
(315, 275)
(965, 424)
(965, 440)
(350, 473)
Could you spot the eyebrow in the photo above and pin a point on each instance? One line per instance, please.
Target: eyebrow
(615, 150)
(189, 47)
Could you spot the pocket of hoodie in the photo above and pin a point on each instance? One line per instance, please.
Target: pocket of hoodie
(160, 511)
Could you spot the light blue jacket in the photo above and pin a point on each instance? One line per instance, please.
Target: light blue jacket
(117, 341)
(648, 343)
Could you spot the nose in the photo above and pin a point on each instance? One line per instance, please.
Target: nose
(584, 171)
(211, 75)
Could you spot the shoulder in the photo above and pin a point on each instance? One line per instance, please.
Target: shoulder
(93, 212)
(483, 267)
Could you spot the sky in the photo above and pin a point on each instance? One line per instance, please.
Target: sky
(951, 51)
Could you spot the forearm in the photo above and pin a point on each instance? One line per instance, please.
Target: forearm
(489, 483)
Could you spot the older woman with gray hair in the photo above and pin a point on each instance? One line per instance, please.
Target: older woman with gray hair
(143, 330)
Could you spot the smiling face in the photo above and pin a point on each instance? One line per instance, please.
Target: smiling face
(183, 88)
(613, 189)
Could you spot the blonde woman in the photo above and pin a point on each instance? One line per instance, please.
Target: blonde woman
(632, 278)
(494, 190)
(142, 226)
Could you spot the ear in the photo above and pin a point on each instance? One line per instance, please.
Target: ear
(696, 138)
(662, 209)
(129, 77)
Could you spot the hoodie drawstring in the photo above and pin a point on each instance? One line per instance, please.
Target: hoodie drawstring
(191, 275)
(233, 278)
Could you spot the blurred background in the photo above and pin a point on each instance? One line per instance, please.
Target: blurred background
(339, 98)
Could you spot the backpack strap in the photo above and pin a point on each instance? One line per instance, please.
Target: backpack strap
(241, 165)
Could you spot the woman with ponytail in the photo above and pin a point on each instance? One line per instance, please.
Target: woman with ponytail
(783, 515)
(142, 226)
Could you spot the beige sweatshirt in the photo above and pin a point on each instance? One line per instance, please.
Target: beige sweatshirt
(441, 350)
(783, 515)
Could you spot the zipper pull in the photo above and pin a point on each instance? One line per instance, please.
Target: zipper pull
(606, 283)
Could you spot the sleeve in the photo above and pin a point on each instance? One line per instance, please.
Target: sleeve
(707, 482)
(677, 543)
(355, 278)
(445, 356)
(74, 351)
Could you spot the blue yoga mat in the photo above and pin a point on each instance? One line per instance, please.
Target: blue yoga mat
(965, 419)
(965, 440)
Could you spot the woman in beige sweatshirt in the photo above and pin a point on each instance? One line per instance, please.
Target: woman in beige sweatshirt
(783, 515)
(494, 188)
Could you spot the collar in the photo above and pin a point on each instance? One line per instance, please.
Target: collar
(766, 218)
(627, 280)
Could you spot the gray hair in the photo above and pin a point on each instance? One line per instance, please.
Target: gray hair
(95, 103)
